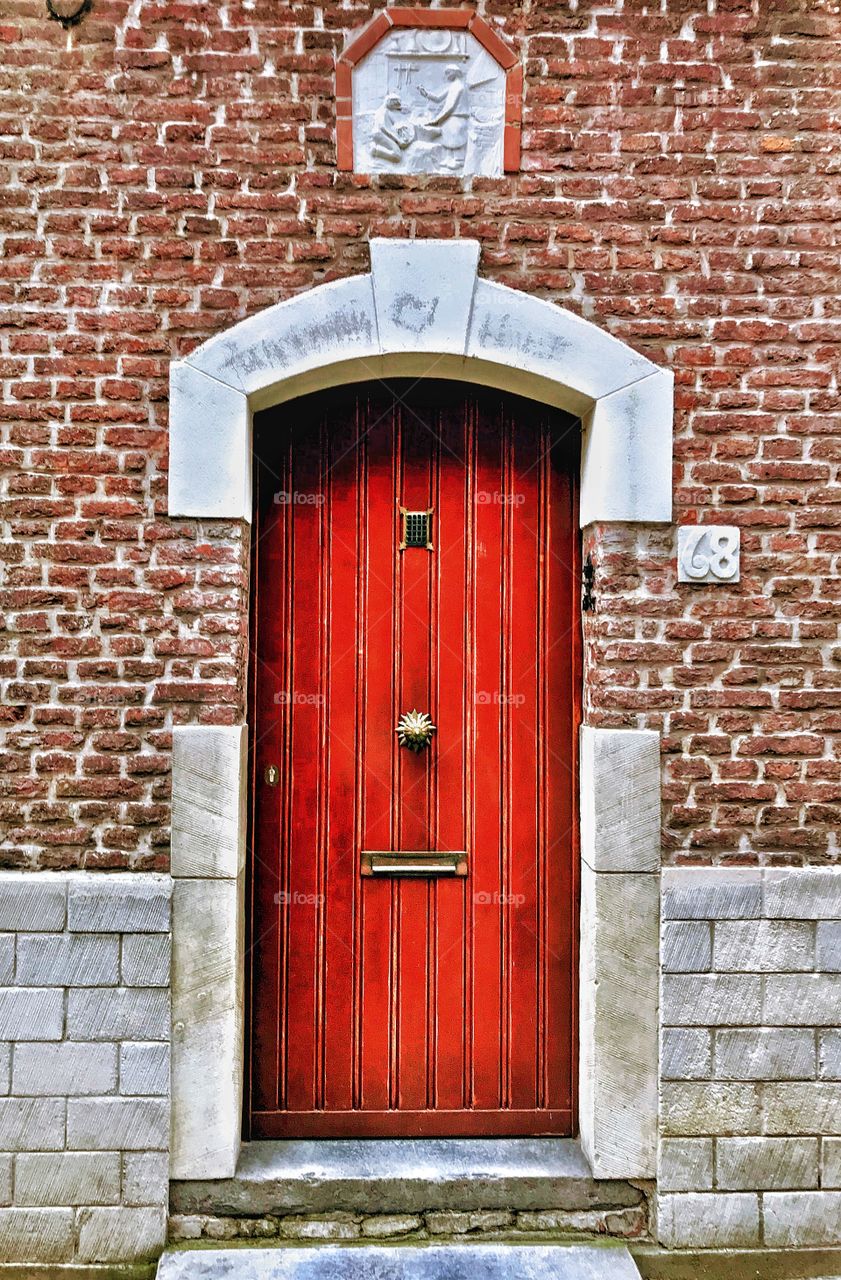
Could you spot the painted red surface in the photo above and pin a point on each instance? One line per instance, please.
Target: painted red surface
(414, 1006)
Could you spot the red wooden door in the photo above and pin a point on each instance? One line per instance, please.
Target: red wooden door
(390, 1005)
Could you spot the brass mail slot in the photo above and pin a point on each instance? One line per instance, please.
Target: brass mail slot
(413, 862)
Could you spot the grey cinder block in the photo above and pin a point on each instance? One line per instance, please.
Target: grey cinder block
(711, 1000)
(686, 946)
(146, 1178)
(28, 1124)
(209, 799)
(772, 1164)
(145, 959)
(802, 999)
(144, 1069)
(121, 1235)
(828, 958)
(685, 1164)
(765, 1053)
(831, 1163)
(829, 1054)
(699, 1108)
(801, 1109)
(708, 1220)
(7, 959)
(763, 946)
(803, 893)
(67, 1178)
(31, 1013)
(32, 901)
(67, 1068)
(67, 960)
(51, 1228)
(712, 893)
(686, 1053)
(119, 1013)
(126, 1124)
(620, 799)
(798, 1219)
(121, 902)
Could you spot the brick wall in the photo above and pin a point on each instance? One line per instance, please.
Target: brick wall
(168, 168)
(84, 1066)
(750, 1107)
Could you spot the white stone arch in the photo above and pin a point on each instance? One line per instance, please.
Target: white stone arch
(422, 310)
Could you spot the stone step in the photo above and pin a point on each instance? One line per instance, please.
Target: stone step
(607, 1261)
(371, 1175)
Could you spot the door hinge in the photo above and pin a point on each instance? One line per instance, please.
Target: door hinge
(588, 600)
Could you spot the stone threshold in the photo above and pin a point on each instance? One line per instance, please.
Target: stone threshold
(573, 1261)
(737, 1264)
(78, 1270)
(386, 1176)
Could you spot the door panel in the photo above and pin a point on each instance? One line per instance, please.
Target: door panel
(401, 1006)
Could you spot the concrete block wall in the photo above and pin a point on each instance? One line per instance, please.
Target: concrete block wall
(750, 1063)
(84, 1065)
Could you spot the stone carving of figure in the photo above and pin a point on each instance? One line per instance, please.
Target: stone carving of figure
(391, 135)
(452, 116)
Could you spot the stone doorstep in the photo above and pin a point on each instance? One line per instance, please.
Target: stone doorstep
(77, 1271)
(381, 1176)
(607, 1261)
(655, 1263)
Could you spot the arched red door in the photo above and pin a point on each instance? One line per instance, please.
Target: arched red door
(412, 958)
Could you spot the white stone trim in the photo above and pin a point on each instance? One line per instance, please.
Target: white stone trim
(626, 457)
(208, 801)
(209, 817)
(619, 962)
(207, 1027)
(620, 799)
(414, 313)
(422, 311)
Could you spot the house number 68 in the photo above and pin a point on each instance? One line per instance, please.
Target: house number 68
(708, 553)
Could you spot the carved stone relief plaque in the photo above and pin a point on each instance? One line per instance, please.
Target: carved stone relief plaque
(428, 100)
(428, 91)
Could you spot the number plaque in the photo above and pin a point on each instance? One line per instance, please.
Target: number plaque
(708, 553)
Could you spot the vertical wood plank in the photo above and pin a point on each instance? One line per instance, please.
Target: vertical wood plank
(487, 854)
(378, 749)
(418, 426)
(451, 639)
(523, 706)
(342, 884)
(308, 784)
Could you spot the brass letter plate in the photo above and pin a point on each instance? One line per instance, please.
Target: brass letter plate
(413, 862)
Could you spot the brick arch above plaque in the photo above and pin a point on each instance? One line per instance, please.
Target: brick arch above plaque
(428, 91)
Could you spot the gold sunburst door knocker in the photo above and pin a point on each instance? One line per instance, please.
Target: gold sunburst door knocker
(415, 730)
